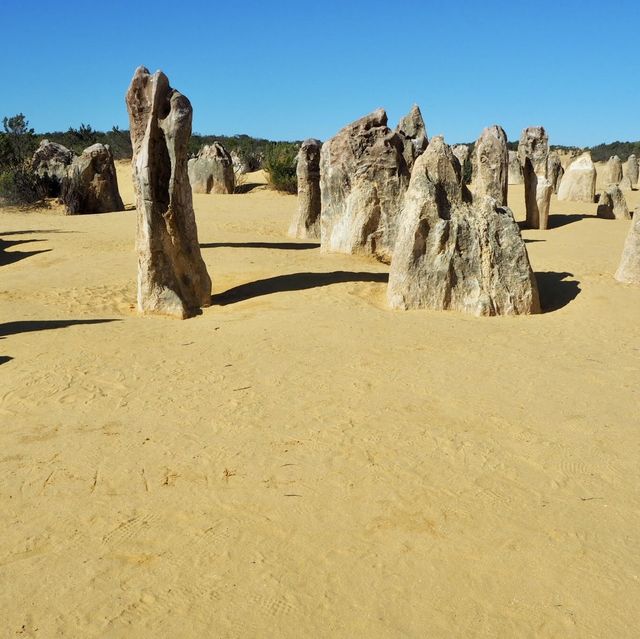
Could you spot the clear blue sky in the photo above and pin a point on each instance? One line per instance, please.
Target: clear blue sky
(296, 69)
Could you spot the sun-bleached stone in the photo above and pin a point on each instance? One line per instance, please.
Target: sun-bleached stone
(578, 184)
(612, 204)
(614, 167)
(363, 178)
(454, 254)
(632, 170)
(211, 171)
(51, 161)
(413, 133)
(306, 220)
(533, 151)
(90, 184)
(629, 268)
(492, 164)
(555, 171)
(515, 169)
(172, 276)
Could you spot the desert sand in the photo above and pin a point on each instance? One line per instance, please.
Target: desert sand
(300, 461)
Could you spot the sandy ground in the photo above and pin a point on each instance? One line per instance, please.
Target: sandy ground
(299, 461)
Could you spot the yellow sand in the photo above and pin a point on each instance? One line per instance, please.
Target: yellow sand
(302, 462)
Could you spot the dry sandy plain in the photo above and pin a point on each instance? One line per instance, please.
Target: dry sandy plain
(299, 461)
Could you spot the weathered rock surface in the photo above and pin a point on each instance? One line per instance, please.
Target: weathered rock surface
(612, 204)
(306, 221)
(614, 166)
(629, 268)
(413, 133)
(90, 184)
(625, 183)
(492, 165)
(544, 189)
(515, 169)
(578, 184)
(461, 151)
(452, 254)
(632, 170)
(172, 276)
(211, 171)
(363, 178)
(50, 161)
(533, 151)
(555, 171)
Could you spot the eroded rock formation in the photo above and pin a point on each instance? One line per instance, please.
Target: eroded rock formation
(90, 184)
(578, 184)
(614, 167)
(533, 151)
(51, 161)
(461, 151)
(492, 164)
(306, 221)
(211, 171)
(632, 170)
(515, 169)
(629, 268)
(454, 254)
(363, 178)
(555, 171)
(413, 133)
(172, 276)
(612, 204)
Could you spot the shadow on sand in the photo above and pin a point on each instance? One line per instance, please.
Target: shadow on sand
(558, 220)
(15, 328)
(555, 290)
(293, 282)
(10, 257)
(4, 359)
(247, 188)
(282, 246)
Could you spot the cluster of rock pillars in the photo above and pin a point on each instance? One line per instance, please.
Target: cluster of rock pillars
(391, 194)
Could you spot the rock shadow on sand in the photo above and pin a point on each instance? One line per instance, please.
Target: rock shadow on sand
(279, 246)
(15, 328)
(555, 290)
(557, 220)
(10, 257)
(293, 282)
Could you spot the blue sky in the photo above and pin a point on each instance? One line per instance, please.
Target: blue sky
(292, 70)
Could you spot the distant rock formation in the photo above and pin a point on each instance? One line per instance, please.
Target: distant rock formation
(533, 151)
(515, 169)
(90, 184)
(172, 276)
(612, 204)
(614, 167)
(461, 151)
(632, 171)
(629, 269)
(306, 221)
(240, 164)
(413, 133)
(555, 171)
(452, 254)
(492, 164)
(51, 161)
(211, 171)
(578, 184)
(363, 178)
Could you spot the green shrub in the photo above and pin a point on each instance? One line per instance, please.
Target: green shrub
(280, 166)
(20, 186)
